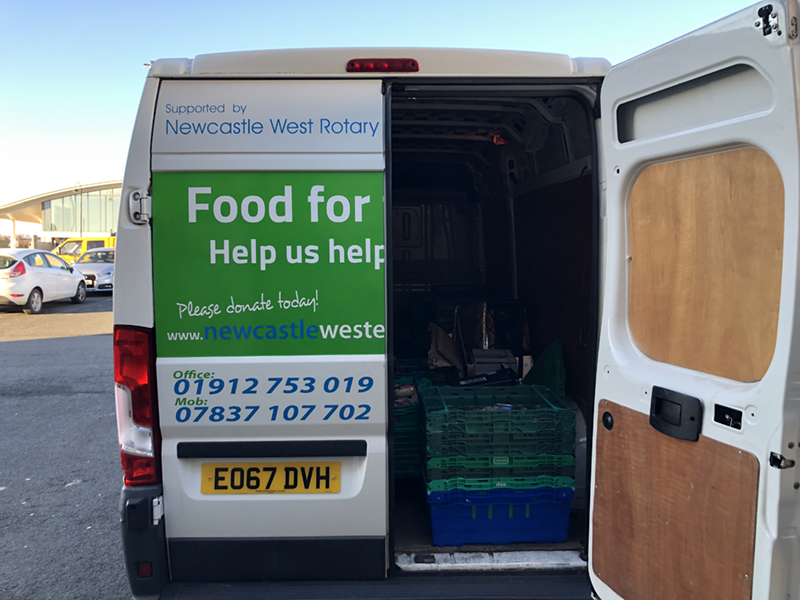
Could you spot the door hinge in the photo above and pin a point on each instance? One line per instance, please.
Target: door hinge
(158, 509)
(139, 207)
(779, 461)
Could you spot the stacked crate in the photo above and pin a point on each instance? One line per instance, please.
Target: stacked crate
(500, 464)
(408, 434)
(408, 437)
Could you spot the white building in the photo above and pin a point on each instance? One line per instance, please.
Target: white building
(78, 211)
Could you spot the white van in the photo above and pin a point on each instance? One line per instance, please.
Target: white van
(292, 223)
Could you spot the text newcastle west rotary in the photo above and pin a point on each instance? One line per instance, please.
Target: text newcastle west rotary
(246, 126)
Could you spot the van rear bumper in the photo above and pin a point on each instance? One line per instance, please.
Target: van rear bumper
(143, 541)
(500, 586)
(277, 559)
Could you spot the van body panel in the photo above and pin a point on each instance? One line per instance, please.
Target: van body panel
(318, 117)
(433, 62)
(294, 559)
(134, 258)
(269, 296)
(275, 417)
(655, 119)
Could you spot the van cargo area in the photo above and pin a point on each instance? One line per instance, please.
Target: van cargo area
(492, 328)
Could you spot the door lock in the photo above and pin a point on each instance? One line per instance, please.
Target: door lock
(779, 461)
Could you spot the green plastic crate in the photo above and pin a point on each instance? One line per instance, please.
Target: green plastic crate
(489, 483)
(500, 466)
(527, 409)
(408, 453)
(408, 444)
(556, 437)
(548, 370)
(446, 446)
(409, 433)
(410, 468)
(407, 417)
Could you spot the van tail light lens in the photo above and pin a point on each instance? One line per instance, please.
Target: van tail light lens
(382, 65)
(137, 416)
(19, 269)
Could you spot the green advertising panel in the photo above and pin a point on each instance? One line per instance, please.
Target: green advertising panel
(268, 264)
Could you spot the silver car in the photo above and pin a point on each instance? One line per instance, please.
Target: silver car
(97, 267)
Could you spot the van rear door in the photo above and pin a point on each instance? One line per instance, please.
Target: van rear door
(270, 320)
(696, 412)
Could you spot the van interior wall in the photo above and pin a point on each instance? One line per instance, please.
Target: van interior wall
(554, 259)
(460, 168)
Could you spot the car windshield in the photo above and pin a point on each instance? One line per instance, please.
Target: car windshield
(104, 256)
(6, 262)
(70, 248)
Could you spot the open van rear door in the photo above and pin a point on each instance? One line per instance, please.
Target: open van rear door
(696, 412)
(270, 307)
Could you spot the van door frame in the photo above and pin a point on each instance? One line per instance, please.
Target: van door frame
(586, 91)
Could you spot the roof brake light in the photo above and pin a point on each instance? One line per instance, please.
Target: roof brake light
(382, 65)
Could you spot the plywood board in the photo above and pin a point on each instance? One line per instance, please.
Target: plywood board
(706, 247)
(672, 519)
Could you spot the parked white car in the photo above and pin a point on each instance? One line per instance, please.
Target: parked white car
(97, 266)
(28, 278)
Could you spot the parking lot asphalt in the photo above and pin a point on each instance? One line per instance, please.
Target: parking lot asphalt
(60, 318)
(59, 460)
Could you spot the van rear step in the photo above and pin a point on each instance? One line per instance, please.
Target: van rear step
(535, 586)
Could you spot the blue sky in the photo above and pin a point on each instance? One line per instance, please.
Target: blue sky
(73, 72)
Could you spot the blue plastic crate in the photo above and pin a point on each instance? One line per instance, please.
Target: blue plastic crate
(545, 522)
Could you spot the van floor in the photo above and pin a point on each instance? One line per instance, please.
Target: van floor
(412, 526)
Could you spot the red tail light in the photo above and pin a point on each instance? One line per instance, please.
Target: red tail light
(137, 416)
(19, 269)
(382, 65)
(139, 470)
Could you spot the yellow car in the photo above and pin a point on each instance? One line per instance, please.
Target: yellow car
(71, 248)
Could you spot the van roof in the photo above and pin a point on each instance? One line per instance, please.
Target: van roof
(332, 62)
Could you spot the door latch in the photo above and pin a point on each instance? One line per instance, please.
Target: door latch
(779, 461)
(139, 207)
(158, 509)
(768, 20)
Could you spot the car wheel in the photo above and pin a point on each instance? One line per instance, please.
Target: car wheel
(34, 304)
(80, 295)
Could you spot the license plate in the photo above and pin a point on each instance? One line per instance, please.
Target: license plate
(271, 478)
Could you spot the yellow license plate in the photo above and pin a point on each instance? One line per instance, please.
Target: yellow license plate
(271, 478)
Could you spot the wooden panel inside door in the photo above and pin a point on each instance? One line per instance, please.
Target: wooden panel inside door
(672, 519)
(706, 246)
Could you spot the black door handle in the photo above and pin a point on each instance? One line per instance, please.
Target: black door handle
(676, 414)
